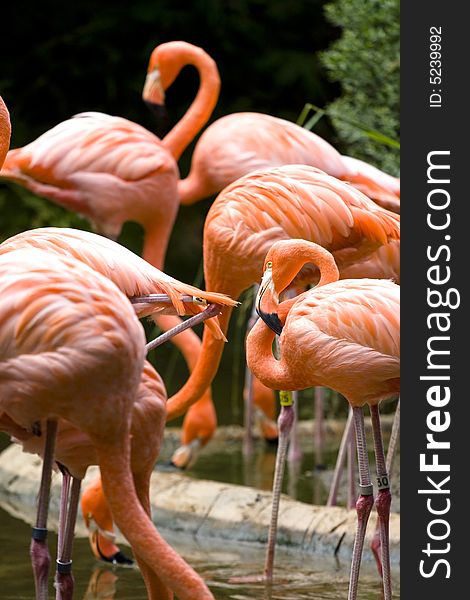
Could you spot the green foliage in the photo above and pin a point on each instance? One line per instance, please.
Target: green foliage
(93, 56)
(365, 61)
(21, 210)
(60, 59)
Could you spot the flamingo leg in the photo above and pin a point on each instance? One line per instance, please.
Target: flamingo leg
(364, 502)
(40, 557)
(382, 501)
(392, 446)
(64, 581)
(340, 460)
(64, 501)
(294, 453)
(285, 421)
(319, 426)
(211, 311)
(351, 462)
(248, 414)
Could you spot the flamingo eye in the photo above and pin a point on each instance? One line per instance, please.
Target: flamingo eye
(269, 265)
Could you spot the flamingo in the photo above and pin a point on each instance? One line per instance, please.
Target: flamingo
(103, 167)
(75, 451)
(5, 131)
(266, 206)
(230, 148)
(111, 170)
(134, 277)
(240, 143)
(71, 348)
(344, 335)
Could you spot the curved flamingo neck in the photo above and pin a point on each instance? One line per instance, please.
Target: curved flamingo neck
(5, 131)
(202, 106)
(292, 255)
(260, 358)
(204, 371)
(156, 243)
(170, 570)
(288, 258)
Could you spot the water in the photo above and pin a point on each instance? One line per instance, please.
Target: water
(298, 576)
(223, 460)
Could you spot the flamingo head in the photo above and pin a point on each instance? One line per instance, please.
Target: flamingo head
(283, 262)
(166, 61)
(267, 300)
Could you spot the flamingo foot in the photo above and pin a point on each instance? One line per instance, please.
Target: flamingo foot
(64, 581)
(41, 562)
(375, 547)
(382, 503)
(363, 508)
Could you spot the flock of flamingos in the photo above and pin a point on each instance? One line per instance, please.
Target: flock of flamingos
(75, 385)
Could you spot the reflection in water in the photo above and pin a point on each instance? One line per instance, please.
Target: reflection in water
(102, 585)
(297, 576)
(223, 460)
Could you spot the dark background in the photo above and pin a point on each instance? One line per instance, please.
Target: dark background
(59, 59)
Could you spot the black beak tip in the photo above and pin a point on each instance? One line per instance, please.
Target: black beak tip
(272, 321)
(158, 110)
(161, 116)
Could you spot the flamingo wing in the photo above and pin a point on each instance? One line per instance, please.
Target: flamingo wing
(349, 333)
(133, 275)
(296, 201)
(91, 164)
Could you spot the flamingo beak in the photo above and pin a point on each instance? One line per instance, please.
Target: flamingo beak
(153, 91)
(271, 318)
(154, 97)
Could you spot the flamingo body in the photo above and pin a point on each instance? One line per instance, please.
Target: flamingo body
(271, 205)
(75, 449)
(106, 168)
(344, 336)
(240, 143)
(71, 348)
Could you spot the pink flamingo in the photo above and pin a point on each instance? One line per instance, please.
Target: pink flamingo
(110, 170)
(232, 147)
(134, 277)
(344, 335)
(240, 143)
(72, 348)
(266, 206)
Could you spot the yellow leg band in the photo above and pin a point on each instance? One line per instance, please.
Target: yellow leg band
(286, 398)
